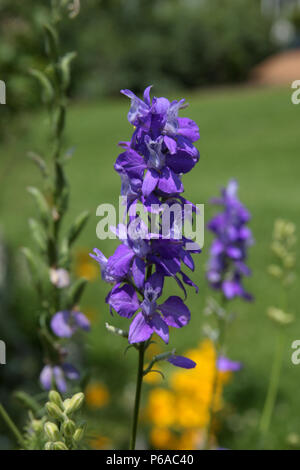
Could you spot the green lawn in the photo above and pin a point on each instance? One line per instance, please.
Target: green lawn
(249, 134)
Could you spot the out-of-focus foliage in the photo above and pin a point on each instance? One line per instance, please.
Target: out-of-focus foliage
(131, 43)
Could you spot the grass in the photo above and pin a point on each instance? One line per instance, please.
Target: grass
(249, 134)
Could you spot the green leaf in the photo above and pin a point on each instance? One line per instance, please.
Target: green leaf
(65, 67)
(42, 204)
(77, 227)
(33, 264)
(48, 91)
(38, 234)
(75, 292)
(39, 161)
(27, 401)
(51, 41)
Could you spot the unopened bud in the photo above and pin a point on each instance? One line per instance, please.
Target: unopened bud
(79, 433)
(37, 425)
(279, 316)
(275, 271)
(49, 446)
(59, 445)
(54, 411)
(69, 428)
(55, 397)
(74, 404)
(51, 431)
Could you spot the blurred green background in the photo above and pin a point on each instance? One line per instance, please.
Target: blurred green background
(247, 132)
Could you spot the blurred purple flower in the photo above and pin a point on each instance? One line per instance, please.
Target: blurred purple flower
(57, 375)
(228, 254)
(226, 365)
(65, 323)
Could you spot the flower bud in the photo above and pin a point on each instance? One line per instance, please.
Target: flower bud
(69, 428)
(49, 446)
(37, 425)
(79, 433)
(75, 403)
(51, 431)
(275, 271)
(59, 445)
(54, 411)
(280, 317)
(55, 397)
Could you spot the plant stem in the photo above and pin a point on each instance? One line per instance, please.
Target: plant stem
(273, 385)
(12, 426)
(219, 352)
(139, 382)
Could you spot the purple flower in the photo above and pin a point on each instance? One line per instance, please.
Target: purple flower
(228, 253)
(161, 148)
(106, 275)
(154, 318)
(151, 167)
(65, 323)
(226, 365)
(57, 375)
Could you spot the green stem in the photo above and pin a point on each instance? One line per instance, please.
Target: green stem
(273, 385)
(139, 382)
(219, 352)
(12, 426)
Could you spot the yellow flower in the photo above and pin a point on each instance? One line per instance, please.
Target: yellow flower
(84, 266)
(180, 413)
(161, 438)
(96, 395)
(100, 442)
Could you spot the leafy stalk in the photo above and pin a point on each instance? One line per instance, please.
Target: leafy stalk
(54, 247)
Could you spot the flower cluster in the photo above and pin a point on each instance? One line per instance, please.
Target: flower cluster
(160, 151)
(227, 266)
(179, 413)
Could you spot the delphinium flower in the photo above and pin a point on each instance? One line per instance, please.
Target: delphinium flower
(282, 270)
(226, 269)
(59, 294)
(151, 167)
(179, 413)
(228, 253)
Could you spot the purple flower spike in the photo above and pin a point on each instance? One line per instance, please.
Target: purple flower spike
(181, 361)
(228, 253)
(226, 365)
(64, 324)
(151, 167)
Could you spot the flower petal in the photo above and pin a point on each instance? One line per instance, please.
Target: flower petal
(138, 271)
(46, 377)
(70, 371)
(169, 182)
(226, 365)
(150, 181)
(119, 263)
(81, 321)
(139, 329)
(175, 312)
(188, 129)
(124, 300)
(160, 327)
(60, 324)
(59, 379)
